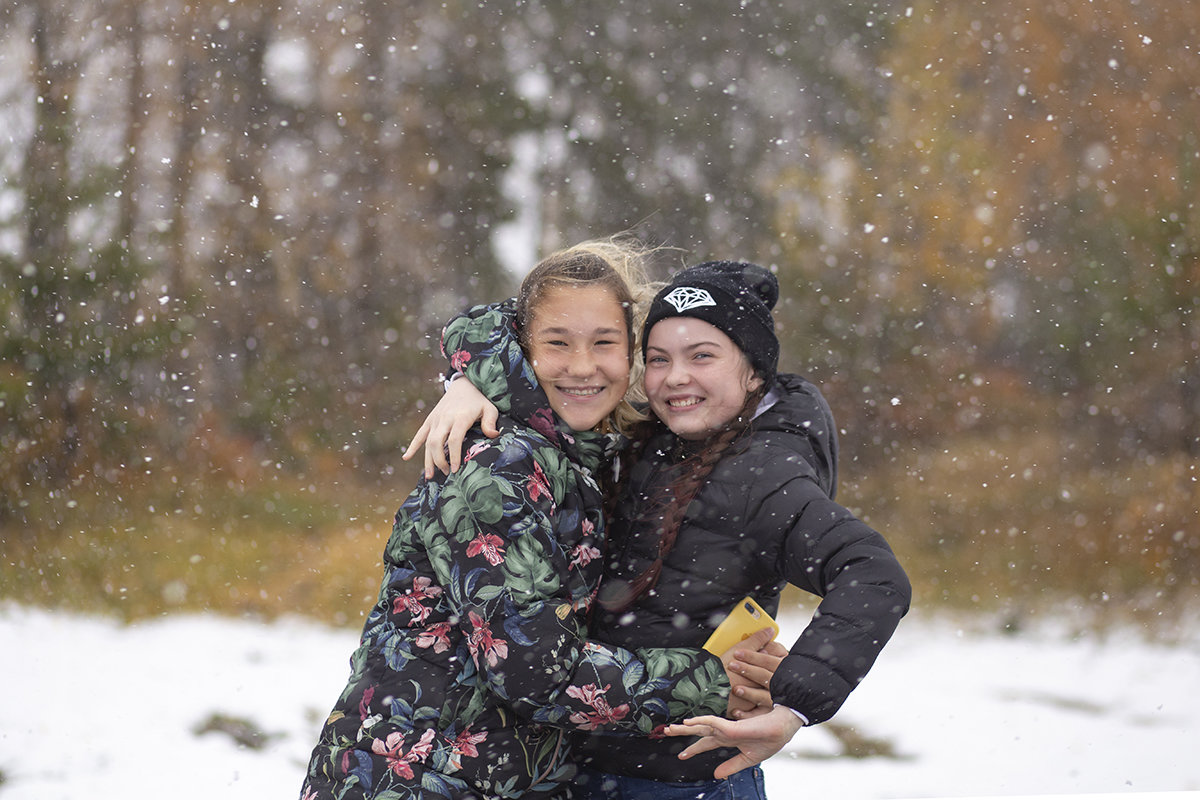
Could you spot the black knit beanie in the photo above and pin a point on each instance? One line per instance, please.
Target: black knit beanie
(736, 297)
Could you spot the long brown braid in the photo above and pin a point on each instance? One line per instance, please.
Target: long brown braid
(667, 509)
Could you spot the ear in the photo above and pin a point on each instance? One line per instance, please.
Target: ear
(754, 382)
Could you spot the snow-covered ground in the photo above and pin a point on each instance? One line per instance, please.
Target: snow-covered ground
(91, 708)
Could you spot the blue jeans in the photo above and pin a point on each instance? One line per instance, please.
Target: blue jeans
(744, 785)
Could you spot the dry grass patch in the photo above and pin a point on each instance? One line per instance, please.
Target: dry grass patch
(1015, 527)
(1040, 523)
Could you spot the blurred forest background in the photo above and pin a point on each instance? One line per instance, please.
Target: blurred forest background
(230, 233)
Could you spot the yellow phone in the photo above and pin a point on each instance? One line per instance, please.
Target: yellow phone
(746, 618)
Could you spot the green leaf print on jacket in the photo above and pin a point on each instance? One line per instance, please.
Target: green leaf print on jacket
(527, 571)
(482, 344)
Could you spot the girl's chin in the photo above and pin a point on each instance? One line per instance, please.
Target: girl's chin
(678, 416)
(691, 434)
(583, 420)
(686, 424)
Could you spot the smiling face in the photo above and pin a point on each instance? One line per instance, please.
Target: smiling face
(578, 343)
(697, 379)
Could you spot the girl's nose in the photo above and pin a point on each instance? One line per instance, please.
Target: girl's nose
(676, 375)
(581, 363)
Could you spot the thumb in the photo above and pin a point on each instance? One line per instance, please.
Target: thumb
(487, 422)
(759, 639)
(735, 764)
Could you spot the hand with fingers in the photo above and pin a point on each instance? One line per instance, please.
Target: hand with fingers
(757, 728)
(757, 738)
(750, 671)
(444, 429)
(749, 665)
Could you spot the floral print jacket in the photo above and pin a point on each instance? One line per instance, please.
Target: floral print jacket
(474, 661)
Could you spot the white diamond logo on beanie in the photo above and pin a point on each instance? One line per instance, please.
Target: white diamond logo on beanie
(687, 297)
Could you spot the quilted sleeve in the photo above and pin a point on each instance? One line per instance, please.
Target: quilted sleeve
(864, 591)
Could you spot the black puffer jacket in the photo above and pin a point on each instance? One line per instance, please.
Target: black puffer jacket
(764, 518)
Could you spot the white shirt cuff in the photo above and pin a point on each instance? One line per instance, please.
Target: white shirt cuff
(803, 719)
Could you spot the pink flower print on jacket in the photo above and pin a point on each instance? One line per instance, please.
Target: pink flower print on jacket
(489, 545)
(602, 714)
(542, 421)
(422, 589)
(538, 485)
(393, 750)
(435, 636)
(364, 705)
(583, 554)
(480, 640)
(464, 745)
(476, 449)
(459, 360)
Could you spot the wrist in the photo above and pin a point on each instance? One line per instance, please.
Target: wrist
(803, 720)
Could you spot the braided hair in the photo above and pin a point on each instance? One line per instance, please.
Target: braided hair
(667, 509)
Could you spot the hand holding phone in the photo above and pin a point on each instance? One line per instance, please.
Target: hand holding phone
(747, 617)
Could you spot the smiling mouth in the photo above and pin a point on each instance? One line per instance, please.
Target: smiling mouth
(686, 402)
(580, 392)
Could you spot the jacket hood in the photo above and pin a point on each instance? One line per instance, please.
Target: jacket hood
(801, 414)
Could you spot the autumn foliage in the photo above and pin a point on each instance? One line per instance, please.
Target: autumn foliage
(229, 234)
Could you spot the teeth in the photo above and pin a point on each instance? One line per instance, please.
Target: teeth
(691, 401)
(581, 392)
